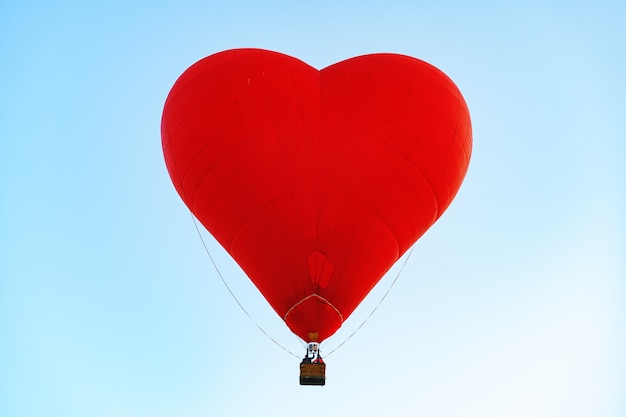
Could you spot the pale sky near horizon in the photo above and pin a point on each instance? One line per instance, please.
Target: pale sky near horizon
(512, 305)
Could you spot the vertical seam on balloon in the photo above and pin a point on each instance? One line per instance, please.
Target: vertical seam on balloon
(168, 149)
(290, 192)
(340, 208)
(454, 188)
(271, 206)
(467, 150)
(442, 176)
(316, 183)
(172, 156)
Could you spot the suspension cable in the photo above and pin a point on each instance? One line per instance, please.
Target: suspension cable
(219, 273)
(377, 305)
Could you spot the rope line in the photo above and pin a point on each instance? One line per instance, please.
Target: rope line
(308, 297)
(219, 273)
(377, 305)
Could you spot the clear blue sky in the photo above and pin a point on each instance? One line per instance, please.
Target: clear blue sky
(514, 304)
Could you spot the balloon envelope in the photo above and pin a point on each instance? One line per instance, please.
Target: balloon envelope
(315, 181)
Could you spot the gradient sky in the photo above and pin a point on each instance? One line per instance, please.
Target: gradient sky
(513, 304)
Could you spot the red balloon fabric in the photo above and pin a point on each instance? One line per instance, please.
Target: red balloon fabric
(315, 181)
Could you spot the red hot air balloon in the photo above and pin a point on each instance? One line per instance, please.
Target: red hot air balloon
(315, 181)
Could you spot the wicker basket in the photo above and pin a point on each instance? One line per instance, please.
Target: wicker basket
(312, 374)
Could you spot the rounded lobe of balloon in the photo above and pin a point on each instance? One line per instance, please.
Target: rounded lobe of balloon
(316, 182)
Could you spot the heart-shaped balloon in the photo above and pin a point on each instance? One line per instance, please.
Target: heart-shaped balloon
(315, 181)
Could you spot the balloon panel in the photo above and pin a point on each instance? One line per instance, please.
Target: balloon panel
(316, 182)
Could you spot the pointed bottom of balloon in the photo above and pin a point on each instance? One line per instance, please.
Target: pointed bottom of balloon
(313, 319)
